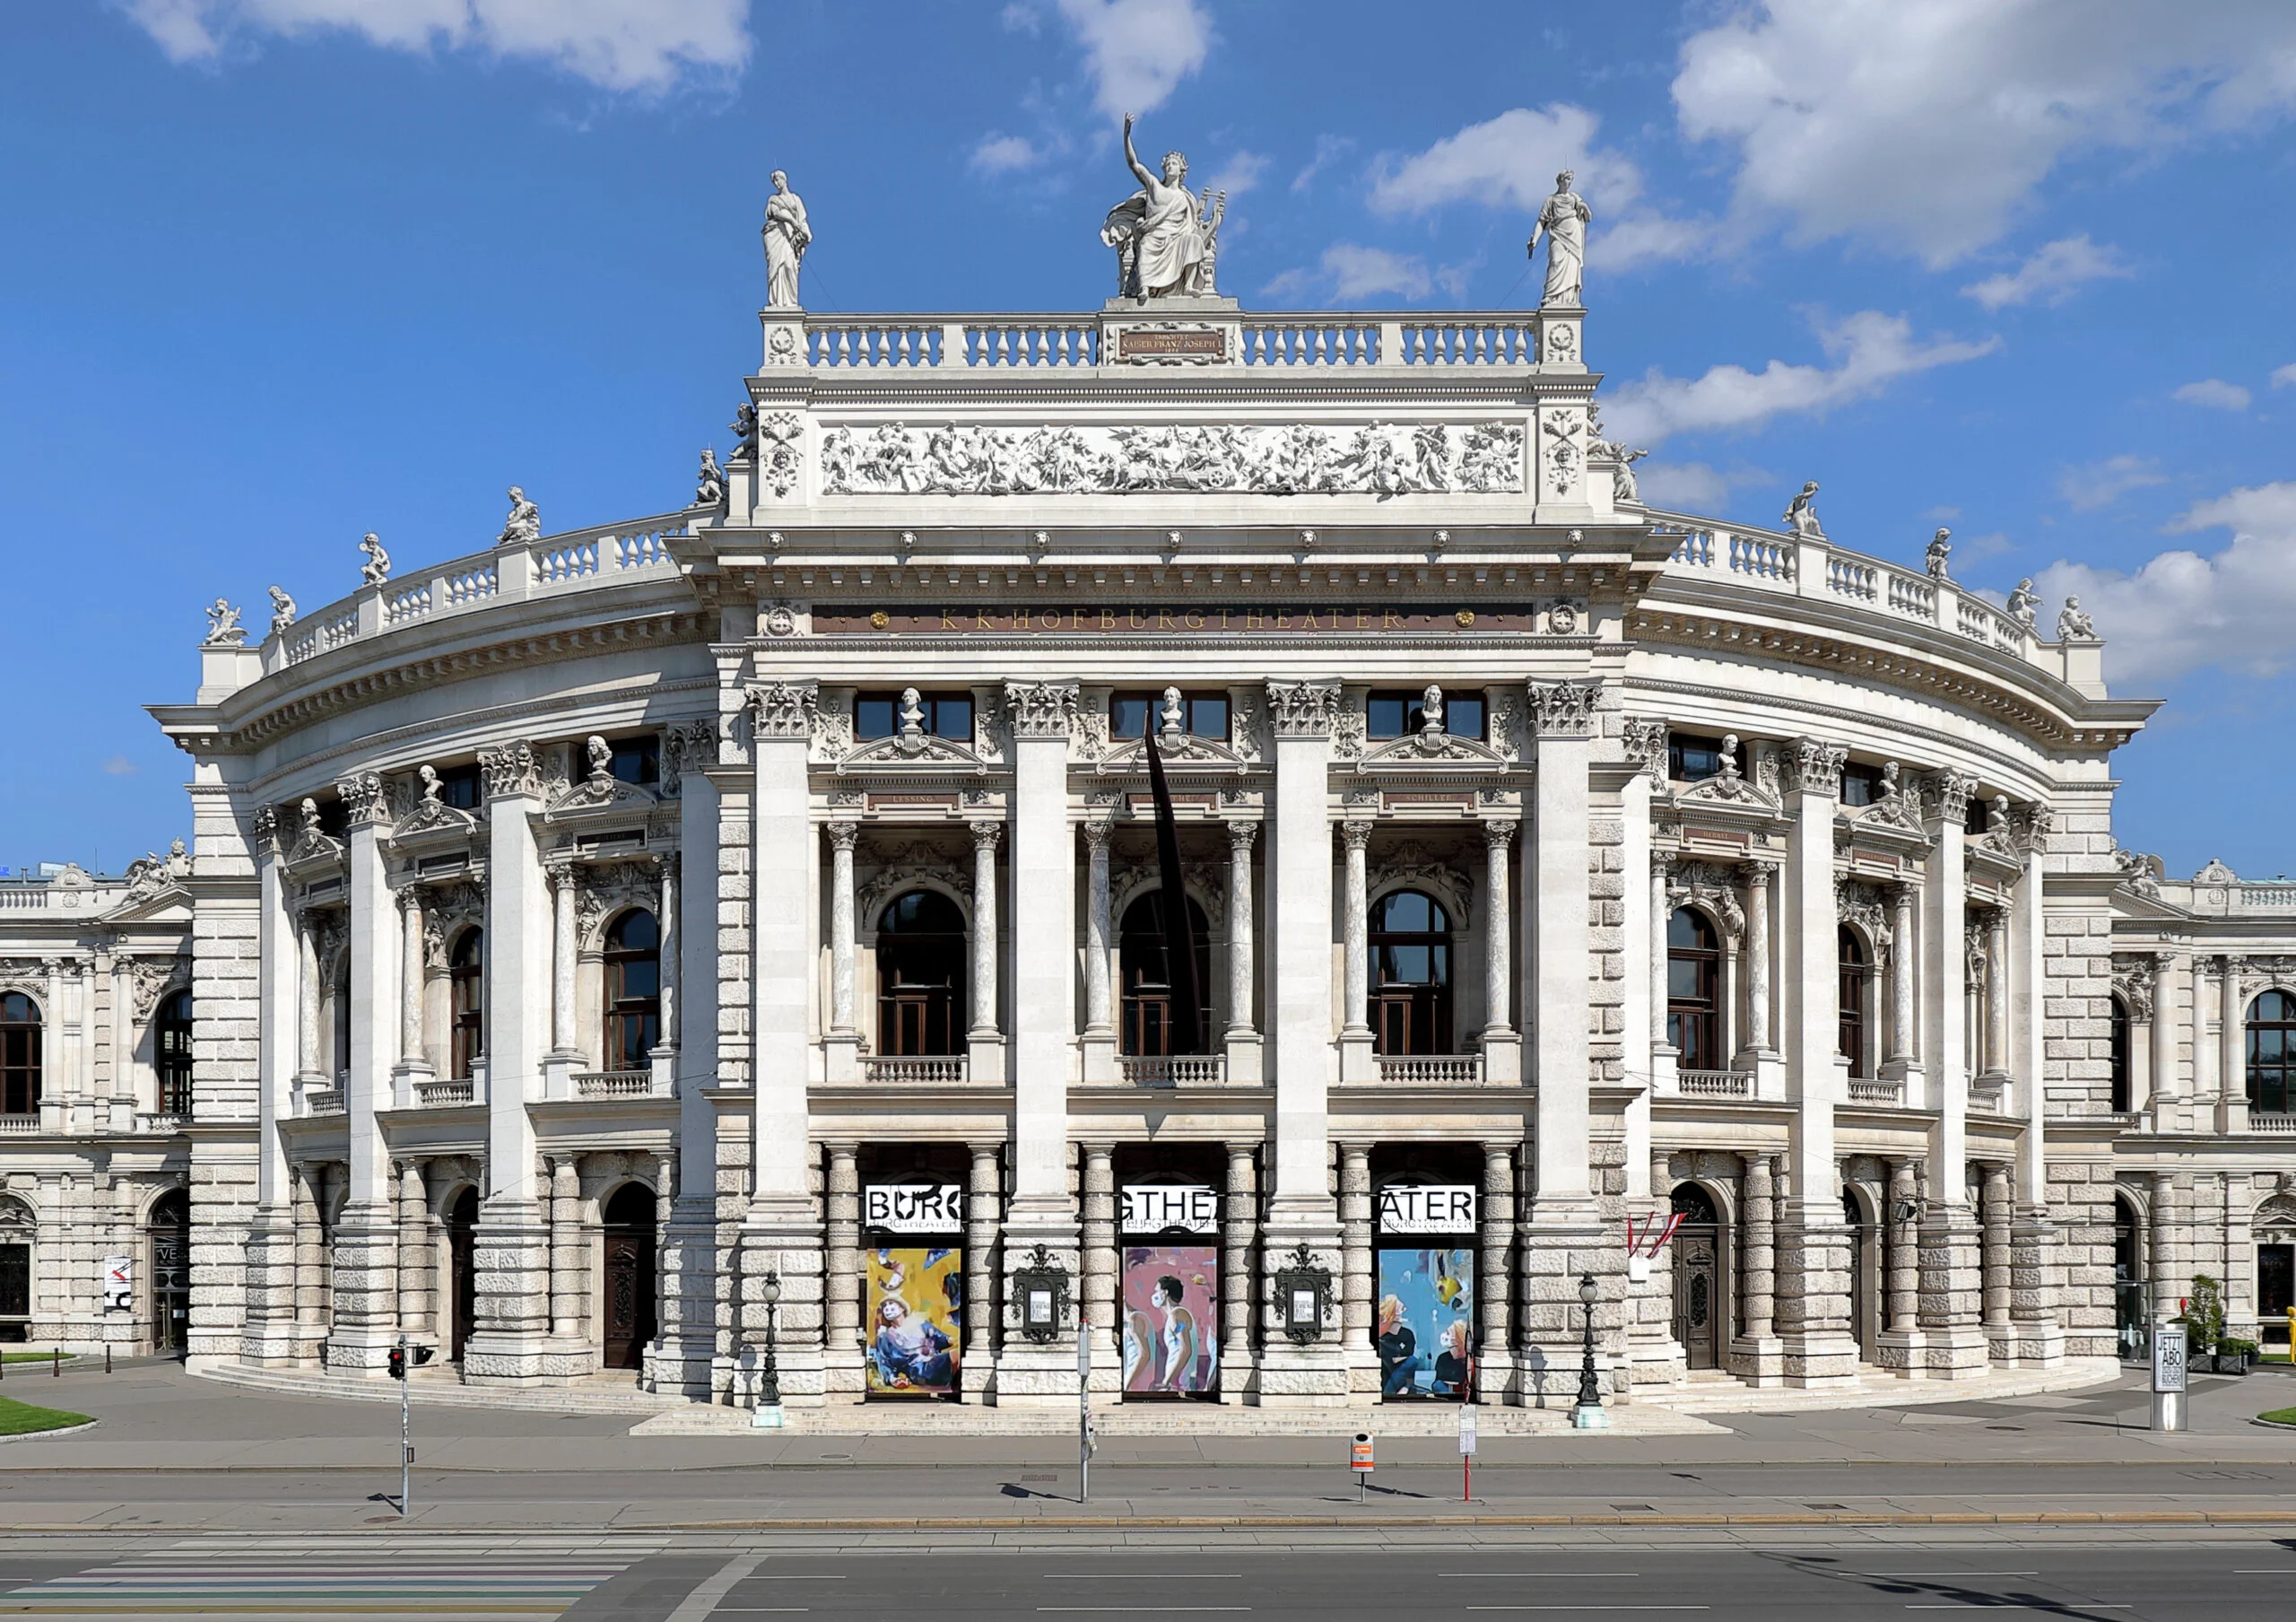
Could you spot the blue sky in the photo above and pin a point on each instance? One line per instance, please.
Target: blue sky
(274, 278)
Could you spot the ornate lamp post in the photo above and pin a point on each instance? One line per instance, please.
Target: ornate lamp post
(1589, 1415)
(769, 1386)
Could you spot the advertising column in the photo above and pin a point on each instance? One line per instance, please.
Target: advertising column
(1170, 1291)
(1424, 1279)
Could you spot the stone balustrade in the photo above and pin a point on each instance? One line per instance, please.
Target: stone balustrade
(1187, 1070)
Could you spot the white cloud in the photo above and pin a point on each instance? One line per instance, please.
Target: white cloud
(1349, 271)
(1137, 51)
(1869, 350)
(1511, 160)
(619, 45)
(1002, 154)
(1693, 486)
(2182, 611)
(1329, 149)
(2051, 274)
(1020, 19)
(2098, 485)
(2214, 393)
(1926, 124)
(119, 765)
(1239, 174)
(2283, 376)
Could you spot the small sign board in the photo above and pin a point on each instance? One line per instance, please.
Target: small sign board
(913, 1207)
(1153, 343)
(2169, 1357)
(1467, 1430)
(1152, 1209)
(119, 1283)
(1415, 1208)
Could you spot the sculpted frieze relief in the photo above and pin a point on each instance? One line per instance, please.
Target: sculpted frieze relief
(1866, 907)
(1713, 887)
(1377, 459)
(906, 867)
(1410, 865)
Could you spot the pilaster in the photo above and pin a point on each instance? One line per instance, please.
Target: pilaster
(1954, 1339)
(364, 1320)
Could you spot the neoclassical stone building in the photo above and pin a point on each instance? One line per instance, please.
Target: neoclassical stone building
(607, 943)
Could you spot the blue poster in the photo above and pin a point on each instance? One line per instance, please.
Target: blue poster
(1425, 1326)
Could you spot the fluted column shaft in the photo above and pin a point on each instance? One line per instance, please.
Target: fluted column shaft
(1239, 928)
(1498, 930)
(985, 838)
(1100, 929)
(841, 839)
(1358, 836)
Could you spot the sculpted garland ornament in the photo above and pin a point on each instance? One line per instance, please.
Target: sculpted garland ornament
(1379, 458)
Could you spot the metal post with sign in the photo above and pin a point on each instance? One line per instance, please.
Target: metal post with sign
(1083, 1410)
(1466, 1446)
(2168, 1377)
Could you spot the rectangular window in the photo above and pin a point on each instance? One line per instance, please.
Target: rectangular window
(1860, 785)
(1692, 759)
(458, 786)
(636, 760)
(1974, 819)
(1402, 714)
(16, 1281)
(945, 715)
(1202, 714)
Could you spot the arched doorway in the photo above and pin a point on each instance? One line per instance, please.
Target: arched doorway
(1147, 975)
(1697, 1251)
(1865, 1302)
(462, 1268)
(920, 976)
(171, 1225)
(630, 1275)
(1410, 975)
(2129, 1317)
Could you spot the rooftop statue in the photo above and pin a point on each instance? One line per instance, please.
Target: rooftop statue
(2072, 626)
(786, 236)
(223, 628)
(710, 484)
(2024, 603)
(1939, 553)
(1802, 514)
(283, 610)
(377, 569)
(523, 527)
(1562, 221)
(1165, 243)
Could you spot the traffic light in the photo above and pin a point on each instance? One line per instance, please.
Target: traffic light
(423, 1353)
(398, 1363)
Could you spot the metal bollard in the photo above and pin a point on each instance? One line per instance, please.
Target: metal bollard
(57, 1367)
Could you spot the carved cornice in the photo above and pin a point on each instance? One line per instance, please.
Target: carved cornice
(1945, 796)
(1303, 708)
(1562, 709)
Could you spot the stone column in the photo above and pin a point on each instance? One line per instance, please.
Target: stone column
(1239, 1242)
(1997, 1216)
(1498, 926)
(841, 1356)
(568, 1263)
(1662, 918)
(1904, 1262)
(1301, 1209)
(510, 1317)
(985, 838)
(842, 837)
(2232, 1060)
(1953, 1339)
(1099, 1041)
(1495, 1375)
(984, 1216)
(411, 1058)
(365, 1317)
(672, 927)
(1099, 1289)
(1357, 930)
(1241, 1025)
(2165, 1080)
(1039, 1211)
(1996, 993)
(1756, 1355)
(308, 1193)
(1356, 1240)
(414, 1252)
(268, 1336)
(2166, 1268)
(1758, 995)
(310, 1068)
(565, 885)
(1901, 993)
(781, 1232)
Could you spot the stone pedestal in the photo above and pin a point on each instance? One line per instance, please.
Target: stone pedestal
(1561, 1241)
(2035, 1339)
(269, 1337)
(1039, 1373)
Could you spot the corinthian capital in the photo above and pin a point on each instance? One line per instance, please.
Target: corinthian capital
(1812, 766)
(512, 768)
(362, 797)
(1303, 708)
(1945, 795)
(1040, 708)
(1564, 708)
(783, 709)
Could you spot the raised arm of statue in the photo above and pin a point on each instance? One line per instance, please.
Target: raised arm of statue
(1132, 158)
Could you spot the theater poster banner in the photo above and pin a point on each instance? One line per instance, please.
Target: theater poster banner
(917, 1288)
(1425, 1328)
(1171, 1289)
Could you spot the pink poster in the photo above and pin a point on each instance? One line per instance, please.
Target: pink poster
(1171, 1319)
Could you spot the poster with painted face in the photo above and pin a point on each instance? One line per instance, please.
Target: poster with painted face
(915, 1321)
(1425, 1324)
(1171, 1319)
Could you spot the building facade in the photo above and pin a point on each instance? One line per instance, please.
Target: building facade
(617, 949)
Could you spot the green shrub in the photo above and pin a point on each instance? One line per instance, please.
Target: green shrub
(2233, 1347)
(2204, 1318)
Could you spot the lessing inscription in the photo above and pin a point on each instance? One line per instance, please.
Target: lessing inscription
(1183, 620)
(1131, 341)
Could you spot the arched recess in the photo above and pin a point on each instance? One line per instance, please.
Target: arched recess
(1700, 1284)
(2271, 1052)
(1861, 1210)
(23, 1034)
(921, 975)
(1145, 974)
(18, 1242)
(628, 1303)
(462, 1270)
(1413, 953)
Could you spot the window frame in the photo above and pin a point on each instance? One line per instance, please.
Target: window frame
(23, 1055)
(1853, 986)
(621, 1006)
(1397, 1001)
(930, 702)
(1680, 746)
(1414, 712)
(1696, 1015)
(1145, 1005)
(466, 1004)
(922, 1018)
(2119, 1051)
(2271, 1082)
(173, 1064)
(1151, 701)
(636, 760)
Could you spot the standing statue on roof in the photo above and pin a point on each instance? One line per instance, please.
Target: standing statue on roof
(1562, 221)
(787, 234)
(1165, 242)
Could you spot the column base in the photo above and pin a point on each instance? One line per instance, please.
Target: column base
(1561, 1241)
(1039, 1373)
(405, 1077)
(1957, 1352)
(1320, 1374)
(1502, 1058)
(678, 1362)
(984, 1058)
(558, 1075)
(1759, 1360)
(2026, 1345)
(1247, 1060)
(1357, 1061)
(1100, 1058)
(841, 1053)
(1821, 1360)
(365, 1289)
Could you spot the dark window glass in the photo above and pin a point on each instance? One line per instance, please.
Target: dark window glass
(466, 1002)
(633, 991)
(945, 715)
(1693, 981)
(1974, 819)
(920, 976)
(1148, 1027)
(1401, 713)
(636, 760)
(1856, 974)
(1692, 759)
(1860, 785)
(2271, 1078)
(2122, 1092)
(1202, 714)
(342, 1017)
(459, 787)
(171, 1054)
(20, 1055)
(16, 1283)
(334, 817)
(1410, 975)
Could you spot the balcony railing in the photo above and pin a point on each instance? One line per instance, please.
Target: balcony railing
(1173, 1070)
(1431, 1069)
(1867, 1089)
(1715, 1084)
(950, 342)
(947, 1071)
(19, 1126)
(2279, 1126)
(613, 1083)
(445, 1094)
(325, 1101)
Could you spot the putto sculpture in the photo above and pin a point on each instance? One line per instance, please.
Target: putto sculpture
(523, 527)
(1562, 221)
(1939, 555)
(2024, 603)
(1802, 514)
(786, 235)
(2072, 626)
(223, 628)
(710, 484)
(377, 569)
(1166, 243)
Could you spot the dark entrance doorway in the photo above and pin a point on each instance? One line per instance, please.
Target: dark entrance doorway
(2276, 1289)
(1864, 1306)
(171, 1272)
(462, 1266)
(1697, 1248)
(630, 1275)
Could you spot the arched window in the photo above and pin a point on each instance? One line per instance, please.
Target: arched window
(1410, 975)
(920, 976)
(466, 1004)
(633, 1005)
(2122, 1091)
(1856, 975)
(1147, 978)
(19, 1055)
(171, 1054)
(2271, 1052)
(1693, 989)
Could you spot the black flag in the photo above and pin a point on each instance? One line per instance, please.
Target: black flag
(1180, 940)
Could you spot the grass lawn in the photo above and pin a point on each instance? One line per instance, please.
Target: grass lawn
(34, 1357)
(2280, 1415)
(21, 1418)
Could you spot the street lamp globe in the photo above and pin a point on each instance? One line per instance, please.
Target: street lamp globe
(770, 1290)
(1587, 1290)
